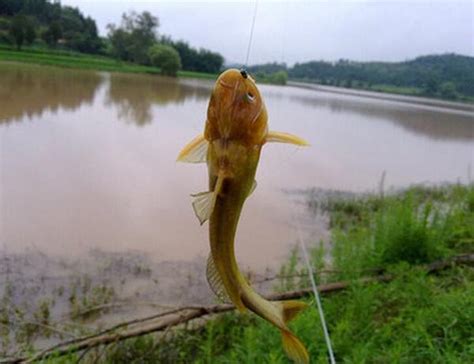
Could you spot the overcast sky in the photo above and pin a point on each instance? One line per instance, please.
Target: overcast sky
(297, 31)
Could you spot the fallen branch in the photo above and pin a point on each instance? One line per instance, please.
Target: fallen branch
(181, 315)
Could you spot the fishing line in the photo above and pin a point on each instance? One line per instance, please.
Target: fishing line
(298, 230)
(251, 34)
(313, 285)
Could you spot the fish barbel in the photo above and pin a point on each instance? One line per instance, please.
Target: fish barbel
(236, 130)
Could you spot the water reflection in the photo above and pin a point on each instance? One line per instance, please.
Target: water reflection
(428, 121)
(134, 95)
(28, 91)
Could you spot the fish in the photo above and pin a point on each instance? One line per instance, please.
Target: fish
(235, 131)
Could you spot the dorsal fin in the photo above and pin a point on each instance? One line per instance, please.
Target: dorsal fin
(215, 281)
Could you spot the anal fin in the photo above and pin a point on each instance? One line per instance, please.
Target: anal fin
(215, 281)
(292, 308)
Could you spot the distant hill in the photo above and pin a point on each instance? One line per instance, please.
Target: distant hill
(448, 76)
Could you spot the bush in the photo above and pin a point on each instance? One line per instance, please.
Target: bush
(407, 232)
(448, 90)
(416, 226)
(166, 58)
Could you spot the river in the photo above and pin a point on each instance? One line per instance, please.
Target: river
(88, 160)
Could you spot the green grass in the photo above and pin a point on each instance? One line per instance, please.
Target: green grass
(411, 91)
(67, 59)
(415, 318)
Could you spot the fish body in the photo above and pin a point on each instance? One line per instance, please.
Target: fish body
(236, 130)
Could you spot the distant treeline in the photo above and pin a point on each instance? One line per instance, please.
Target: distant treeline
(45, 23)
(449, 76)
(41, 21)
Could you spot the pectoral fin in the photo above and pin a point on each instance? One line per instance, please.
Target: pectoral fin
(279, 137)
(203, 204)
(195, 151)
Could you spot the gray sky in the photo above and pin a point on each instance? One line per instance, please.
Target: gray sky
(297, 31)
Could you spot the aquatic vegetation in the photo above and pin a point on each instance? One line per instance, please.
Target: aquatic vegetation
(415, 226)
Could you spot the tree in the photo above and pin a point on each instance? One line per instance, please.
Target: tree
(17, 30)
(136, 34)
(447, 90)
(53, 33)
(280, 77)
(194, 60)
(166, 58)
(431, 85)
(30, 32)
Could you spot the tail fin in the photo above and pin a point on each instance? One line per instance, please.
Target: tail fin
(294, 348)
(291, 309)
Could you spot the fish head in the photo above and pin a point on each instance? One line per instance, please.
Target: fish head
(236, 110)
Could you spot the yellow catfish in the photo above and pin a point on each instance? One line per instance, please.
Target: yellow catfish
(235, 132)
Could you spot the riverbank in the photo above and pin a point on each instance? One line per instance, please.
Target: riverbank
(84, 61)
(390, 95)
(414, 315)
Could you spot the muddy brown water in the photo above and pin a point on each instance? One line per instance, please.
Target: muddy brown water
(88, 160)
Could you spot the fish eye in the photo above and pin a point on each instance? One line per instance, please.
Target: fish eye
(250, 96)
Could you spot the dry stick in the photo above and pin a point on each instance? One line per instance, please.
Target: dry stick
(193, 312)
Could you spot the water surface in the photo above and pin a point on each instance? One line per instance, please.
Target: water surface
(88, 160)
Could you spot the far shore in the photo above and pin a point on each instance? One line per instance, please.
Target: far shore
(86, 61)
(412, 99)
(76, 60)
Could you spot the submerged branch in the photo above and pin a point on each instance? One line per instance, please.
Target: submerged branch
(173, 318)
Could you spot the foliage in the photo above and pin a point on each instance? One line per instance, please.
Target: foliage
(414, 226)
(136, 34)
(446, 75)
(268, 68)
(52, 34)
(277, 78)
(276, 73)
(21, 30)
(166, 58)
(17, 31)
(53, 22)
(201, 60)
(70, 59)
(79, 32)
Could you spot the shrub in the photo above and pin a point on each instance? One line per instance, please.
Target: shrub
(166, 58)
(406, 232)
